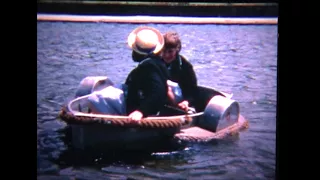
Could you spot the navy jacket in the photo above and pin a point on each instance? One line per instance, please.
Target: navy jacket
(181, 71)
(147, 87)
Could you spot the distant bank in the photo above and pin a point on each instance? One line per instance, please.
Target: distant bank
(151, 8)
(157, 19)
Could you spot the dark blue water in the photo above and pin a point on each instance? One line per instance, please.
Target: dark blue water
(241, 59)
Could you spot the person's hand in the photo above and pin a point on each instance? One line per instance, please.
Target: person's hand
(184, 105)
(135, 116)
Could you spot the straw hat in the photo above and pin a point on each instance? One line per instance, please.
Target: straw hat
(146, 40)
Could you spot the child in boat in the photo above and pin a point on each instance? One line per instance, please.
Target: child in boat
(180, 69)
(147, 83)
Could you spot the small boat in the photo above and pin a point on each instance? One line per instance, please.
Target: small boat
(216, 116)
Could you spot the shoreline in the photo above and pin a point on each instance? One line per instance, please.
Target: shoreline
(157, 3)
(156, 19)
(140, 8)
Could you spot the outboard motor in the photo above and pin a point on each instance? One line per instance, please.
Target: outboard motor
(219, 113)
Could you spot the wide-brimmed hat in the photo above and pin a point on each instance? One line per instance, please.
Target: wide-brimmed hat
(146, 40)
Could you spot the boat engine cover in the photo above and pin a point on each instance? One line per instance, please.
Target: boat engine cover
(92, 83)
(219, 113)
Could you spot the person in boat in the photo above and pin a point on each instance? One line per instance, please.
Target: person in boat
(180, 70)
(145, 91)
(146, 85)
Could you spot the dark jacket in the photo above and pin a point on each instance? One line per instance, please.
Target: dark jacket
(147, 87)
(181, 71)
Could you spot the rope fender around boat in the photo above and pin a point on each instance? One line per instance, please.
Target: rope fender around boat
(149, 122)
(205, 136)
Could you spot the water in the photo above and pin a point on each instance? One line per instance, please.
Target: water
(241, 59)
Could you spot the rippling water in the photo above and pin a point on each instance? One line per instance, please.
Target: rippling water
(241, 59)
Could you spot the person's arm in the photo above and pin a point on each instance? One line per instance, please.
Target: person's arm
(189, 84)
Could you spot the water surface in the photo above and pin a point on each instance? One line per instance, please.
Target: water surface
(241, 59)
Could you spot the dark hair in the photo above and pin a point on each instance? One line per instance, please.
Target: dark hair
(172, 40)
(137, 57)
